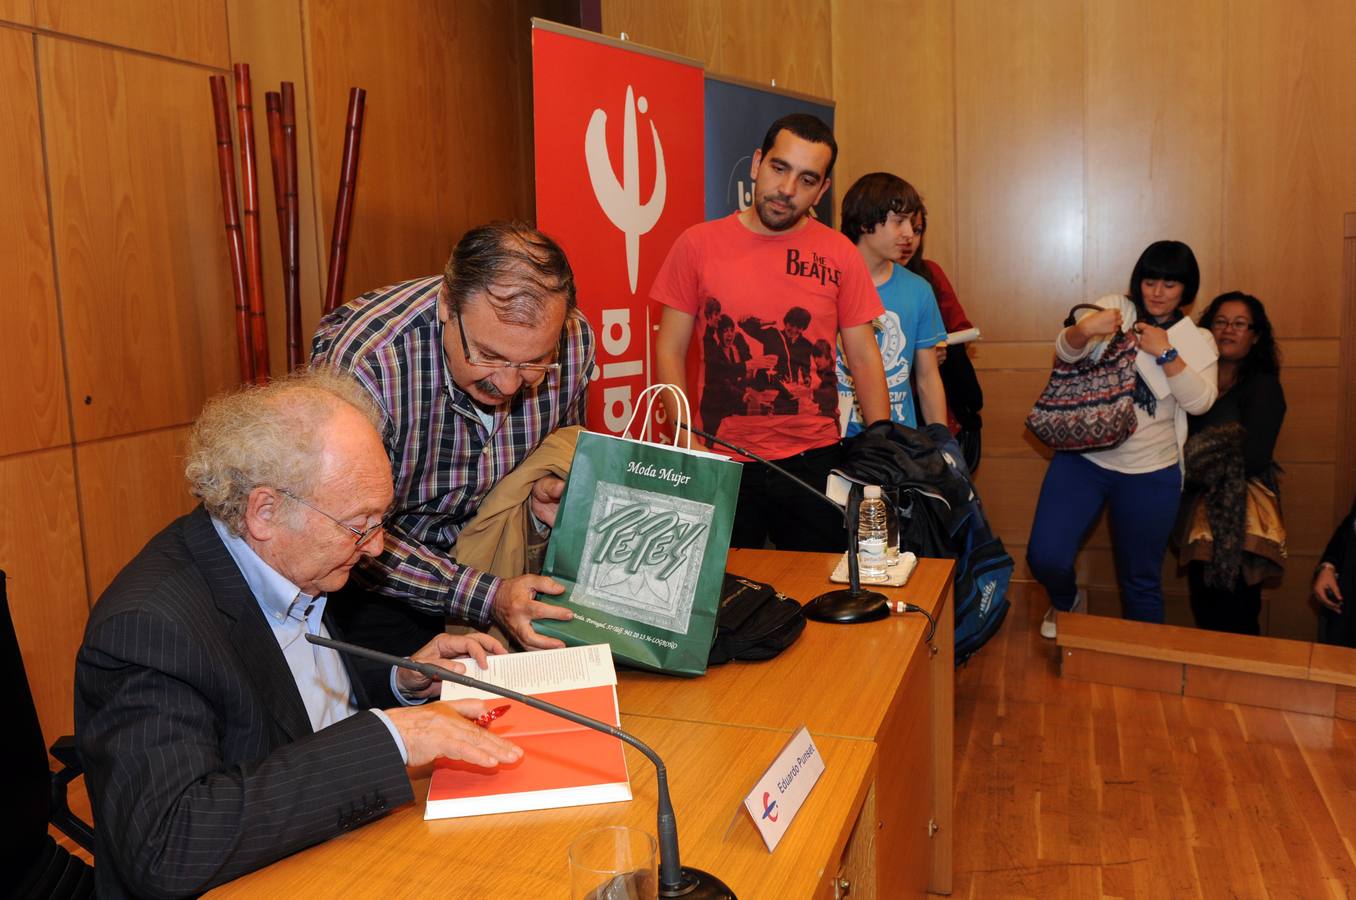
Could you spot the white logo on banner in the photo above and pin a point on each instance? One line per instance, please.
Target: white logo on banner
(621, 200)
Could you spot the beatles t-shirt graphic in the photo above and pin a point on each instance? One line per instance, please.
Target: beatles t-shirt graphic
(768, 310)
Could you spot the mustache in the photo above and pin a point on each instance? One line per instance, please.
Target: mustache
(487, 386)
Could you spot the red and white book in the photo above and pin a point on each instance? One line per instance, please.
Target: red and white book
(563, 764)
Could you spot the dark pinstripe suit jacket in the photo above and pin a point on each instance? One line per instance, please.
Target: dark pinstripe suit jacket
(199, 755)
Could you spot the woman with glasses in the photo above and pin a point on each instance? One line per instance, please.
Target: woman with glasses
(1230, 471)
(1139, 480)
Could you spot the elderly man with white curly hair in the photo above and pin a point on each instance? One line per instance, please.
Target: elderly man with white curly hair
(216, 739)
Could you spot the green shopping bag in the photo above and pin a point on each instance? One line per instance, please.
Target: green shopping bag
(640, 543)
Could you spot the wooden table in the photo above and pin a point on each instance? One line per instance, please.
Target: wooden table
(519, 855)
(861, 690)
(876, 681)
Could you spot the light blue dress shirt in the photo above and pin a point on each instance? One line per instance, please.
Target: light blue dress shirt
(319, 672)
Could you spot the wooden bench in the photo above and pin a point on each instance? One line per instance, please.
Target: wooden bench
(1281, 674)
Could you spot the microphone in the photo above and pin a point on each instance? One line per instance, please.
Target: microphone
(675, 879)
(843, 606)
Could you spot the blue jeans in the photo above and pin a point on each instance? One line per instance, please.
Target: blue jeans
(1143, 509)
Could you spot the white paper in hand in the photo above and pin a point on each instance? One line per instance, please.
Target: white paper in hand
(1193, 349)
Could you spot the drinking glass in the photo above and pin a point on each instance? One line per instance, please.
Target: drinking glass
(614, 863)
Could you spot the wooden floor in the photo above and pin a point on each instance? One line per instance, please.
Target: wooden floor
(1070, 789)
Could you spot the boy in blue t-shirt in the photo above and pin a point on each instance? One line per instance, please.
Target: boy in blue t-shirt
(878, 215)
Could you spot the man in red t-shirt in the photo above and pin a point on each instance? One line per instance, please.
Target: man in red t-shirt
(790, 288)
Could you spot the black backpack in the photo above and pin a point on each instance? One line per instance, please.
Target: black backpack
(754, 621)
(940, 515)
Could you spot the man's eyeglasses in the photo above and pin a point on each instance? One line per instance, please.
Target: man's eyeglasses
(1223, 324)
(359, 537)
(537, 368)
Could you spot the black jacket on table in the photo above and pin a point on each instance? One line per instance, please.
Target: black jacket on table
(199, 754)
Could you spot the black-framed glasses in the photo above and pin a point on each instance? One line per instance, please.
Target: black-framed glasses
(1223, 324)
(360, 537)
(480, 362)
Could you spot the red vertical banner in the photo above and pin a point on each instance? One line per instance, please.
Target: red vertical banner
(619, 172)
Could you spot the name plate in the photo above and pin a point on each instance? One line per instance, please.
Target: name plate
(780, 793)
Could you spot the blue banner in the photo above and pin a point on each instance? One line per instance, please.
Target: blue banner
(737, 118)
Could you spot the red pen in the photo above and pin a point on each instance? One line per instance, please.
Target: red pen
(493, 714)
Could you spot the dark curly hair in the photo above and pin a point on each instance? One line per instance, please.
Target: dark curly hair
(1264, 356)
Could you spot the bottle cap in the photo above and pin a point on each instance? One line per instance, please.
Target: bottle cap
(872, 492)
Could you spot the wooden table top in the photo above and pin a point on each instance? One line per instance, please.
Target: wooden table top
(516, 855)
(836, 679)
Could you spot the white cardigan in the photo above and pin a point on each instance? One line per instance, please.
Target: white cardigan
(1154, 445)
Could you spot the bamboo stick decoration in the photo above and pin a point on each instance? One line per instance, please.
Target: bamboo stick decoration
(235, 245)
(343, 211)
(292, 248)
(254, 263)
(273, 111)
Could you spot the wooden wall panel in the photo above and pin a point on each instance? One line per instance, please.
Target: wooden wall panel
(130, 488)
(1310, 353)
(1287, 609)
(40, 550)
(268, 35)
(145, 288)
(1309, 432)
(1009, 488)
(1019, 162)
(1008, 396)
(1154, 150)
(17, 11)
(787, 40)
(445, 143)
(33, 401)
(1346, 427)
(191, 30)
(1308, 505)
(895, 111)
(1291, 157)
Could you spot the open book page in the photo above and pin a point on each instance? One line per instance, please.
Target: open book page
(538, 671)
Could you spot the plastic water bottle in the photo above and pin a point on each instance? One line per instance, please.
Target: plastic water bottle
(872, 534)
(892, 531)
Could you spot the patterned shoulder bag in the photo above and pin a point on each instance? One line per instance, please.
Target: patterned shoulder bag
(1088, 405)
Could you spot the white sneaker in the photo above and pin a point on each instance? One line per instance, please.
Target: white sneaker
(1049, 630)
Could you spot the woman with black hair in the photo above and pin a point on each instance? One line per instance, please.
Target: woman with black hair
(1140, 479)
(1230, 472)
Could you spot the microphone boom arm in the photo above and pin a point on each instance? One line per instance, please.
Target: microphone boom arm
(671, 874)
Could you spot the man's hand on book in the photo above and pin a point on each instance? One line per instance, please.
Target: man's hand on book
(516, 605)
(447, 730)
(441, 651)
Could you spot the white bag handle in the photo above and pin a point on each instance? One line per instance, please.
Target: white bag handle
(650, 395)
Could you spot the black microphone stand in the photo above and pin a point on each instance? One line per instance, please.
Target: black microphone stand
(845, 606)
(675, 879)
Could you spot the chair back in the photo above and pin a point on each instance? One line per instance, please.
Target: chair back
(23, 753)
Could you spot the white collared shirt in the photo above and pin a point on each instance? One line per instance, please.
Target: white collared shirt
(319, 673)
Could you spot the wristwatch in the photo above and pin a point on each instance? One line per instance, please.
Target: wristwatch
(1166, 356)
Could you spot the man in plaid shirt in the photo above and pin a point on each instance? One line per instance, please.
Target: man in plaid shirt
(471, 370)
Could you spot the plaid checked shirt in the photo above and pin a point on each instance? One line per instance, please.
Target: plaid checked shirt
(443, 460)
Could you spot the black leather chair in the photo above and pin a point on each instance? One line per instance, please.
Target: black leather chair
(32, 864)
